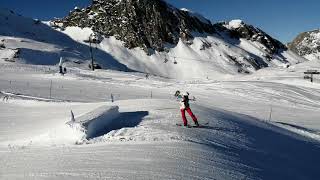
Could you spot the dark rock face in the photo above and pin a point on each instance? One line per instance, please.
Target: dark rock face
(148, 24)
(306, 43)
(151, 24)
(255, 34)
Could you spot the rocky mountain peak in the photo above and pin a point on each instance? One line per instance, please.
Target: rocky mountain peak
(148, 24)
(240, 29)
(306, 43)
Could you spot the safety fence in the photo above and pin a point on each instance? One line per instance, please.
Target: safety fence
(81, 91)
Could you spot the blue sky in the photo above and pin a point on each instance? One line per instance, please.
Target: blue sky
(282, 19)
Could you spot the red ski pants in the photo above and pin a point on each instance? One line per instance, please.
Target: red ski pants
(183, 114)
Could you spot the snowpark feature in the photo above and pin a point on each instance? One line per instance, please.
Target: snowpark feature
(97, 120)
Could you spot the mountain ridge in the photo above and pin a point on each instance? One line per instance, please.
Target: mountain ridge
(149, 24)
(307, 44)
(221, 50)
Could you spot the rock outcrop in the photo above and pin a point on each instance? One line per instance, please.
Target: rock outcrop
(148, 24)
(306, 43)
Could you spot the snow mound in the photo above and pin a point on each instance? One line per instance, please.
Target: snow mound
(77, 132)
(97, 120)
(59, 136)
(84, 127)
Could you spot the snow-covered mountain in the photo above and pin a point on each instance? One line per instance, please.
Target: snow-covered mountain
(25, 40)
(261, 126)
(146, 36)
(148, 24)
(307, 44)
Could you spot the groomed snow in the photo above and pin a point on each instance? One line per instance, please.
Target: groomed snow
(241, 140)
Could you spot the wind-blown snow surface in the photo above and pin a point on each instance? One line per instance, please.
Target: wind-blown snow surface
(143, 142)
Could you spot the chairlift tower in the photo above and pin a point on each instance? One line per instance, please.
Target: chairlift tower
(91, 51)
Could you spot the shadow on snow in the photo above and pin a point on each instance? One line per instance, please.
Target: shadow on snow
(125, 120)
(270, 151)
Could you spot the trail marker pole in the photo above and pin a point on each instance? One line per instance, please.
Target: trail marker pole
(112, 99)
(50, 88)
(270, 115)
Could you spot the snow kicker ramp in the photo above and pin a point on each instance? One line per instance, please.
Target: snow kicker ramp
(97, 120)
(32, 126)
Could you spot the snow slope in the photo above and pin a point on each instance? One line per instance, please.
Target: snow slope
(191, 61)
(143, 142)
(40, 44)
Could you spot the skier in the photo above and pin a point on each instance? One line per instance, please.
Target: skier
(60, 65)
(112, 98)
(185, 106)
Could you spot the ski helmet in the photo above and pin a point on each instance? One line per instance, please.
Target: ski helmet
(177, 93)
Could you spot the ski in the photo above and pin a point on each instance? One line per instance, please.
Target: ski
(193, 126)
(179, 124)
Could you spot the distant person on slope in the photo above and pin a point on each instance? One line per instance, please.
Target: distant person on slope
(185, 106)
